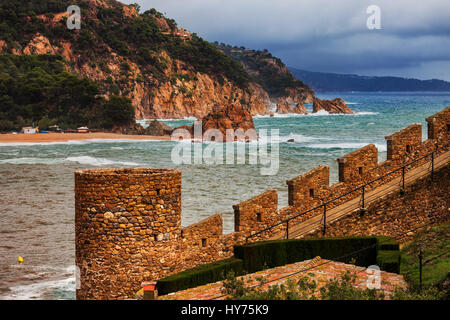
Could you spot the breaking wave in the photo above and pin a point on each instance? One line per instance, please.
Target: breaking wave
(85, 160)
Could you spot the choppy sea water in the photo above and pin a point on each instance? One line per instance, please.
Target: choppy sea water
(37, 180)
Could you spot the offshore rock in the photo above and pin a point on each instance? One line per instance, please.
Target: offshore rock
(336, 106)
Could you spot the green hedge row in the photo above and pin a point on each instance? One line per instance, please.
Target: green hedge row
(386, 243)
(204, 274)
(389, 260)
(268, 254)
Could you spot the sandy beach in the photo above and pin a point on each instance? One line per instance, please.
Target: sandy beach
(63, 137)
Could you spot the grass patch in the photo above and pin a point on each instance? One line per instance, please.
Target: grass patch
(435, 242)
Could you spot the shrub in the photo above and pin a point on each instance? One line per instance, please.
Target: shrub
(305, 289)
(386, 243)
(389, 260)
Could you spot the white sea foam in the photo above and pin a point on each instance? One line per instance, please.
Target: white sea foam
(366, 113)
(86, 160)
(53, 289)
(98, 161)
(32, 161)
(345, 145)
(319, 113)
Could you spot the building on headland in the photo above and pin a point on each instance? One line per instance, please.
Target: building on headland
(183, 34)
(128, 221)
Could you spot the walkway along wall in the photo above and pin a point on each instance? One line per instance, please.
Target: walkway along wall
(128, 221)
(423, 203)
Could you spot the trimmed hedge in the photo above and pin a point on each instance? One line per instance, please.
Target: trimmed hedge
(386, 243)
(389, 260)
(269, 254)
(204, 274)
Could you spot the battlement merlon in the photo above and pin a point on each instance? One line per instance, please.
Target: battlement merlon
(403, 142)
(439, 125)
(311, 185)
(354, 165)
(256, 213)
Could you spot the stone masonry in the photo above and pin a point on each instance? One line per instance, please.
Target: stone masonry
(119, 213)
(128, 221)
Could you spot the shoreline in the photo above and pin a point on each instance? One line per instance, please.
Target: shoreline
(65, 137)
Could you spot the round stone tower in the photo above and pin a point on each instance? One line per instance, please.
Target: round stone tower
(119, 216)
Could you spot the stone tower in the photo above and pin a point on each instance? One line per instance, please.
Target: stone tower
(119, 216)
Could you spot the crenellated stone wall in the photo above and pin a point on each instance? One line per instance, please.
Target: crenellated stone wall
(353, 166)
(424, 202)
(128, 221)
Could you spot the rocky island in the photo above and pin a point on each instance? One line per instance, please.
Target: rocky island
(335, 106)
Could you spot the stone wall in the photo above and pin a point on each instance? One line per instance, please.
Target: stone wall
(201, 233)
(128, 221)
(403, 142)
(256, 213)
(309, 188)
(354, 165)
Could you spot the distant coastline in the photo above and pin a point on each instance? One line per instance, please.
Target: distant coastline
(334, 82)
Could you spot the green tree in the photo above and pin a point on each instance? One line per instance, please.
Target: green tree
(118, 111)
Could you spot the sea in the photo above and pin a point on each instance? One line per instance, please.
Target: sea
(37, 179)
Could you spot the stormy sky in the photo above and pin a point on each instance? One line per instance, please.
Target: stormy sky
(327, 35)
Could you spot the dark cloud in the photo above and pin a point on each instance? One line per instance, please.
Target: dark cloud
(327, 35)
